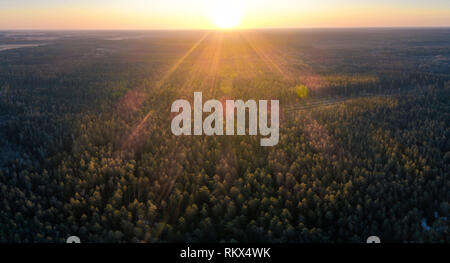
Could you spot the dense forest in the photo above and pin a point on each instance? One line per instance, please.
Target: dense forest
(86, 146)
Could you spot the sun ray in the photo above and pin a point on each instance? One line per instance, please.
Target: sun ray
(266, 58)
(136, 131)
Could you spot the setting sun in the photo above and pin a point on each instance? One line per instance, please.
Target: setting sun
(226, 14)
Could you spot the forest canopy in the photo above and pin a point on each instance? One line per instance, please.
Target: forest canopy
(364, 149)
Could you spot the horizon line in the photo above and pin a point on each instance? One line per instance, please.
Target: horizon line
(225, 30)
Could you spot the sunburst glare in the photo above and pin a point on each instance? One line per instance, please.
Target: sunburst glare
(225, 14)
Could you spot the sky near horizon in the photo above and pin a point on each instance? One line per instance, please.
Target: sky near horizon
(207, 14)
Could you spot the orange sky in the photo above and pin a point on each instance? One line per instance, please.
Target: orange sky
(197, 14)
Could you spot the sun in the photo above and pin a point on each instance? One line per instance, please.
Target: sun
(226, 14)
